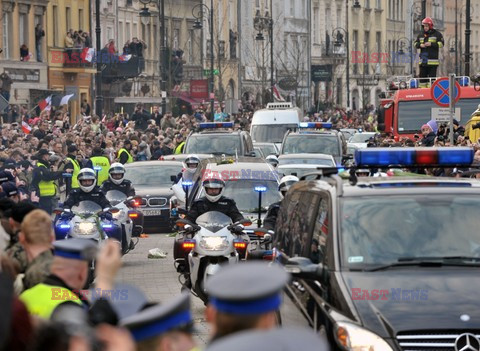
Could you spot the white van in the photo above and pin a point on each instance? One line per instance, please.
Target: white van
(270, 125)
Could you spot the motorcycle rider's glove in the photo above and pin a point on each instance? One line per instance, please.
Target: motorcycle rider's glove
(107, 215)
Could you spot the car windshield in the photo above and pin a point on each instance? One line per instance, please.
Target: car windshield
(311, 144)
(299, 172)
(361, 137)
(271, 133)
(267, 149)
(413, 114)
(307, 161)
(158, 175)
(385, 230)
(213, 144)
(243, 192)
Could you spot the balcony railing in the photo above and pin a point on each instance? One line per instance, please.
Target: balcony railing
(332, 50)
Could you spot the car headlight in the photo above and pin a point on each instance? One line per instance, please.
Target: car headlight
(85, 228)
(355, 338)
(214, 243)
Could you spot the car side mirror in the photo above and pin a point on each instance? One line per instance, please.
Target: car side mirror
(245, 222)
(304, 268)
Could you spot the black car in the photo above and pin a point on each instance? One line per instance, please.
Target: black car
(218, 139)
(304, 141)
(384, 263)
(152, 181)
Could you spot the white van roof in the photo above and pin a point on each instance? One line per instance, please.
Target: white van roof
(291, 115)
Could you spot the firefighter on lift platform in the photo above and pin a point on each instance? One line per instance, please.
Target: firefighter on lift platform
(116, 180)
(429, 42)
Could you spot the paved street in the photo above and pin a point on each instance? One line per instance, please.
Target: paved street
(158, 278)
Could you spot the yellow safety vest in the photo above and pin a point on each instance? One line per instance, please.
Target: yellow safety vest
(179, 148)
(46, 188)
(130, 158)
(76, 170)
(104, 163)
(42, 299)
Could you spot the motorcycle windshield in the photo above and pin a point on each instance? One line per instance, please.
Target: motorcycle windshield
(86, 208)
(115, 197)
(213, 221)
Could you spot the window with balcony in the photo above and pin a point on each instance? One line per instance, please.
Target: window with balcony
(315, 25)
(56, 32)
(221, 49)
(292, 8)
(378, 4)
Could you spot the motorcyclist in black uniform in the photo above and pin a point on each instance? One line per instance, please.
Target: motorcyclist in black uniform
(116, 181)
(214, 201)
(272, 213)
(88, 191)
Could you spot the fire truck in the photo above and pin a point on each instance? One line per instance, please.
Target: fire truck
(405, 107)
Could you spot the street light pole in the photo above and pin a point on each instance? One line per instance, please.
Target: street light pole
(163, 59)
(467, 39)
(98, 75)
(456, 38)
(272, 82)
(348, 57)
(212, 77)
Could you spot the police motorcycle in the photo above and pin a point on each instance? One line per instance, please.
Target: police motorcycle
(125, 218)
(210, 242)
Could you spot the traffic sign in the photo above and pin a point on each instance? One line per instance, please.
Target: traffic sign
(206, 72)
(440, 92)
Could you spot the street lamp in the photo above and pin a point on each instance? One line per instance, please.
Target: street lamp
(262, 24)
(198, 13)
(145, 19)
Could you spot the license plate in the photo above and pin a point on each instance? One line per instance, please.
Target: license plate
(152, 212)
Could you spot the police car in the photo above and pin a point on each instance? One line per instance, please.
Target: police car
(309, 139)
(384, 264)
(217, 138)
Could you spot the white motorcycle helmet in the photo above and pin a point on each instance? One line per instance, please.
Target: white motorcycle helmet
(191, 163)
(213, 189)
(87, 179)
(116, 173)
(285, 184)
(273, 160)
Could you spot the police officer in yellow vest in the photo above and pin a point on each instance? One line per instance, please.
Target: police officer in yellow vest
(69, 273)
(180, 144)
(124, 154)
(68, 276)
(73, 165)
(43, 187)
(99, 163)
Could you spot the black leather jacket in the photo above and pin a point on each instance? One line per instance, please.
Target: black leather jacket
(77, 195)
(224, 205)
(125, 187)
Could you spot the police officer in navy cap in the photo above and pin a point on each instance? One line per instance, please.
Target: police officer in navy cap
(285, 339)
(165, 327)
(244, 296)
(10, 190)
(6, 176)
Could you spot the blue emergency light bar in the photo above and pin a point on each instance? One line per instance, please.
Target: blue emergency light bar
(410, 157)
(107, 226)
(97, 168)
(316, 125)
(260, 189)
(64, 226)
(213, 125)
(187, 183)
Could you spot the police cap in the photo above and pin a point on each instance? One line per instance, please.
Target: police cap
(75, 249)
(159, 319)
(6, 176)
(284, 339)
(249, 288)
(9, 189)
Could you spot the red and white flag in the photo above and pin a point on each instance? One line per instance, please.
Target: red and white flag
(26, 127)
(45, 103)
(87, 54)
(276, 94)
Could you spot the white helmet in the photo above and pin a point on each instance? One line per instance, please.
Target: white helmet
(87, 179)
(191, 160)
(116, 173)
(286, 182)
(213, 185)
(273, 160)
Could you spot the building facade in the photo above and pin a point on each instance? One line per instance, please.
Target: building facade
(18, 20)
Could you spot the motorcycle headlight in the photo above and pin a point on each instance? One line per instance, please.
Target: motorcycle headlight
(214, 243)
(354, 338)
(117, 215)
(85, 228)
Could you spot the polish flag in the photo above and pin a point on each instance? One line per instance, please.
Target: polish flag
(87, 54)
(45, 103)
(124, 58)
(276, 94)
(26, 127)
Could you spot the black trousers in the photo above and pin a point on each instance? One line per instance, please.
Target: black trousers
(428, 71)
(46, 203)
